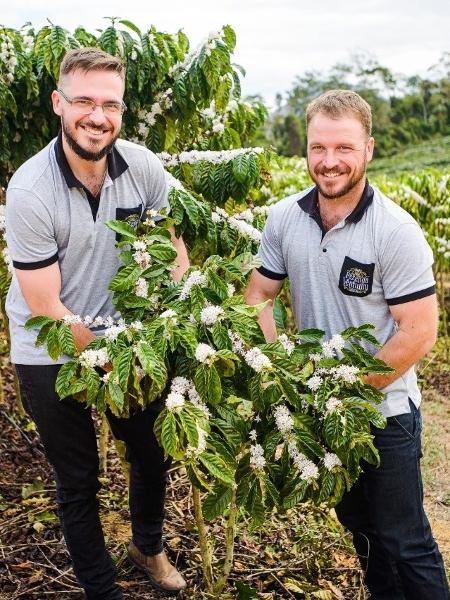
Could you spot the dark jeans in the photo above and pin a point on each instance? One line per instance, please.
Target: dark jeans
(384, 511)
(68, 435)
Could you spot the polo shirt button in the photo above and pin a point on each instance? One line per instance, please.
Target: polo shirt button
(324, 249)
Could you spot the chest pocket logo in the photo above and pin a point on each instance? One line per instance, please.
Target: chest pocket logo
(132, 216)
(356, 279)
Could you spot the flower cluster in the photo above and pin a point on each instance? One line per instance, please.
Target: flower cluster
(141, 288)
(94, 358)
(257, 460)
(204, 353)
(330, 460)
(332, 404)
(257, 360)
(308, 469)
(211, 156)
(237, 342)
(314, 383)
(8, 58)
(168, 314)
(211, 314)
(283, 419)
(333, 345)
(239, 222)
(286, 343)
(142, 258)
(7, 260)
(148, 119)
(179, 389)
(194, 278)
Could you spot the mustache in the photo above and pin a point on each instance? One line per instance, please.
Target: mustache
(323, 171)
(96, 127)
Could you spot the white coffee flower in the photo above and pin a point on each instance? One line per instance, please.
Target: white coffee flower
(230, 289)
(94, 358)
(346, 372)
(330, 460)
(196, 401)
(314, 383)
(283, 419)
(73, 320)
(194, 278)
(237, 342)
(174, 402)
(111, 333)
(253, 435)
(211, 314)
(332, 404)
(143, 259)
(335, 344)
(88, 320)
(315, 357)
(257, 460)
(141, 288)
(204, 352)
(168, 314)
(257, 360)
(180, 385)
(106, 377)
(139, 245)
(286, 343)
(136, 325)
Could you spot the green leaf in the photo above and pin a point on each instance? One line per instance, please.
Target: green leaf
(66, 340)
(189, 426)
(163, 252)
(53, 342)
(124, 229)
(217, 467)
(169, 437)
(65, 374)
(122, 365)
(217, 502)
(116, 394)
(240, 168)
(38, 322)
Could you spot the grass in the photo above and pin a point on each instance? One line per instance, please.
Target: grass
(431, 154)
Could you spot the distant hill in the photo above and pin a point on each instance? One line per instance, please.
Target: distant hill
(433, 153)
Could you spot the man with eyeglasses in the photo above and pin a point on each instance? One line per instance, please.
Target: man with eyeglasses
(64, 257)
(353, 256)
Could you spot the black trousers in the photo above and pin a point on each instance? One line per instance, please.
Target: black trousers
(68, 436)
(384, 511)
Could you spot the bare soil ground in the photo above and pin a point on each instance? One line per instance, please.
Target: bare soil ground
(302, 554)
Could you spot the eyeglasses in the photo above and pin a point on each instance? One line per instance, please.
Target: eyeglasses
(87, 106)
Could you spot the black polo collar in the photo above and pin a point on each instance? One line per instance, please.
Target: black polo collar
(116, 164)
(310, 204)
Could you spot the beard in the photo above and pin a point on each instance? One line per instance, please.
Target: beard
(90, 155)
(358, 175)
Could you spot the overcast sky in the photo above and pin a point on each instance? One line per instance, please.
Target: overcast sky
(276, 40)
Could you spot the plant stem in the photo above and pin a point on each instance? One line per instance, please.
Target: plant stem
(205, 546)
(103, 444)
(230, 535)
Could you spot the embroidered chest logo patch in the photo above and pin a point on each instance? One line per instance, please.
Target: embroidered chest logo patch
(356, 279)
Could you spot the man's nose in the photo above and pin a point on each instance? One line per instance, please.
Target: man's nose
(97, 115)
(330, 159)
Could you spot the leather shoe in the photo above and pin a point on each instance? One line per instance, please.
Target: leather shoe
(163, 576)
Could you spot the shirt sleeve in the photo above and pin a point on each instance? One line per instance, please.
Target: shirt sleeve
(406, 266)
(158, 193)
(270, 252)
(29, 231)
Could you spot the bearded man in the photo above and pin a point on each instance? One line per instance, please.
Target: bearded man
(353, 256)
(64, 257)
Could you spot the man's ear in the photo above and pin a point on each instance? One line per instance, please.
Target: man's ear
(369, 148)
(56, 103)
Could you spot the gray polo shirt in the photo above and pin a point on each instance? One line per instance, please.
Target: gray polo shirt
(51, 217)
(375, 258)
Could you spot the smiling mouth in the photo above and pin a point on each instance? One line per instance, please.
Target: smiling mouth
(331, 175)
(94, 131)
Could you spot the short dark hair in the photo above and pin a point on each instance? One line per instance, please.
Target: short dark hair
(337, 103)
(90, 59)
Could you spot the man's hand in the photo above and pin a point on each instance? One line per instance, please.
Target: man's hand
(260, 289)
(182, 256)
(417, 323)
(41, 289)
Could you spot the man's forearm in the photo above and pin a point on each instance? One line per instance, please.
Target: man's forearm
(56, 310)
(401, 352)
